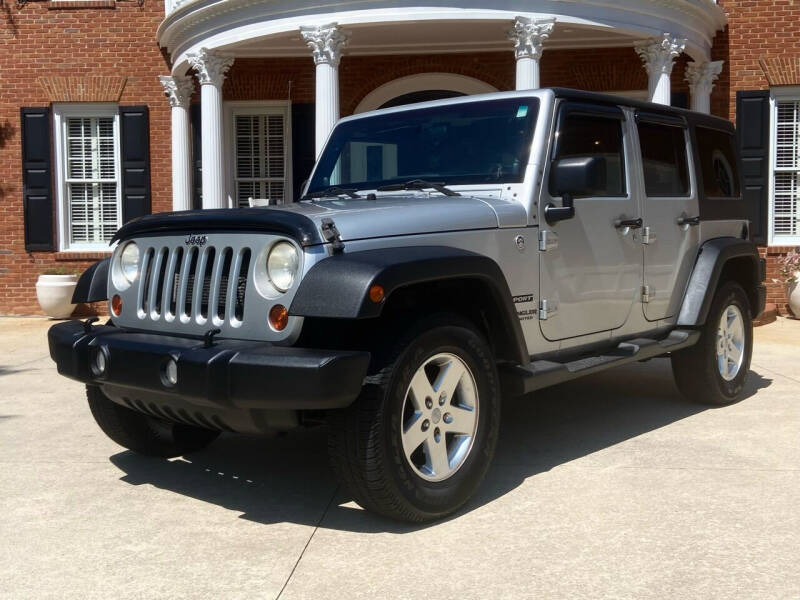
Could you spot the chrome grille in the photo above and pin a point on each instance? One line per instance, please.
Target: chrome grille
(204, 285)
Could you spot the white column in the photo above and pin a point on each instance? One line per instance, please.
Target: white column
(528, 36)
(326, 43)
(659, 57)
(178, 90)
(210, 69)
(701, 78)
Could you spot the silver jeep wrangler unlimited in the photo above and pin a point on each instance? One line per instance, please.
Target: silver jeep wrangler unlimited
(444, 255)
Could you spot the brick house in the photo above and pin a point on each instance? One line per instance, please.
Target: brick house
(113, 108)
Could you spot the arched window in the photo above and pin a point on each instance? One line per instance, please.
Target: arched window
(421, 88)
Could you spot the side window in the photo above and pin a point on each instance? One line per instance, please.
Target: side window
(666, 171)
(718, 163)
(589, 135)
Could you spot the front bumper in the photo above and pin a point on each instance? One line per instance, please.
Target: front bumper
(229, 375)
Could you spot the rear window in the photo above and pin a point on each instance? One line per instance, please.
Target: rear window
(718, 163)
(666, 171)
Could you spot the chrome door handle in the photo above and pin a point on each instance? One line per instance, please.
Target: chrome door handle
(629, 223)
(691, 221)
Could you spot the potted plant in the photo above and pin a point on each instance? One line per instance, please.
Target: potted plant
(54, 292)
(789, 268)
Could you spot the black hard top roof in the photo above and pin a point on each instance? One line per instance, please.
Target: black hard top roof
(650, 107)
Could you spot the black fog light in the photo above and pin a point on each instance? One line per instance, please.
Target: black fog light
(98, 362)
(169, 373)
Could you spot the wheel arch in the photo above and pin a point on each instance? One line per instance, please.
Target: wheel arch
(720, 260)
(429, 278)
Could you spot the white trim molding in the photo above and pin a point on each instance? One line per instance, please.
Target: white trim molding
(421, 82)
(777, 95)
(224, 25)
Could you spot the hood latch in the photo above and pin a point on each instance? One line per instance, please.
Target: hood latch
(332, 235)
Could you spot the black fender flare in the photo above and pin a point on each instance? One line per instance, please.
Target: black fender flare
(93, 283)
(704, 280)
(337, 287)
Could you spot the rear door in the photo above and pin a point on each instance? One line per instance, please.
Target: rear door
(590, 278)
(670, 212)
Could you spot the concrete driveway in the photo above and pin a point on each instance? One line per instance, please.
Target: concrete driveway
(612, 486)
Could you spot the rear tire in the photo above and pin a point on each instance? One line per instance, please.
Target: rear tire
(144, 434)
(714, 370)
(416, 444)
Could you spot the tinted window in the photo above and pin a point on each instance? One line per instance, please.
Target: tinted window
(583, 135)
(718, 163)
(666, 172)
(469, 143)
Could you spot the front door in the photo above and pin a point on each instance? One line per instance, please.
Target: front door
(592, 274)
(670, 233)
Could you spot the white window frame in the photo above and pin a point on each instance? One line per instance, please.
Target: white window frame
(257, 107)
(61, 112)
(788, 93)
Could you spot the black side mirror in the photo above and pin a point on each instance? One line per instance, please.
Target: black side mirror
(573, 177)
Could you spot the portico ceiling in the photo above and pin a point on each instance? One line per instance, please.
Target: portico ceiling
(271, 27)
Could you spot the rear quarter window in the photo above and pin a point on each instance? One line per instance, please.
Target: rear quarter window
(717, 156)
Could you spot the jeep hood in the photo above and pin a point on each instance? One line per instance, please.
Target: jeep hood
(387, 216)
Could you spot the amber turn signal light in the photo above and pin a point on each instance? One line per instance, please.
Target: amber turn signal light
(116, 305)
(278, 317)
(377, 293)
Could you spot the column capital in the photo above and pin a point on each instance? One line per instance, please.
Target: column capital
(702, 75)
(659, 54)
(326, 43)
(209, 66)
(529, 35)
(178, 89)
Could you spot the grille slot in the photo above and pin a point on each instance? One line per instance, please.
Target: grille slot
(199, 285)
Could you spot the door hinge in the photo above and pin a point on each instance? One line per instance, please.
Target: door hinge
(648, 292)
(548, 240)
(547, 308)
(648, 235)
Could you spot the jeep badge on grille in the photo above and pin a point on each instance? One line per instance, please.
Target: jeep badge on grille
(195, 240)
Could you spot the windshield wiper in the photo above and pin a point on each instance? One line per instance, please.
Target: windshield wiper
(419, 184)
(332, 192)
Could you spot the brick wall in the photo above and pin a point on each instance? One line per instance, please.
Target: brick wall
(54, 51)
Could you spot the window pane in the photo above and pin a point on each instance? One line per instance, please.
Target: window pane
(718, 163)
(583, 135)
(666, 171)
(92, 186)
(260, 147)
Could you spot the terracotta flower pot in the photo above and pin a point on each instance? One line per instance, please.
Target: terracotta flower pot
(54, 293)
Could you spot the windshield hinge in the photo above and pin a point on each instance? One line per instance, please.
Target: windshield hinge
(331, 234)
(648, 236)
(647, 293)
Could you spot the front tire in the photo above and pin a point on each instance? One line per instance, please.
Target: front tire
(714, 370)
(418, 441)
(144, 434)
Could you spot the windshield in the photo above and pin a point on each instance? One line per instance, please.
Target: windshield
(481, 142)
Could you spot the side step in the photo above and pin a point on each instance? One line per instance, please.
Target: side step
(517, 380)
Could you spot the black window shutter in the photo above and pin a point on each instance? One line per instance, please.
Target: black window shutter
(197, 157)
(37, 179)
(679, 100)
(135, 145)
(303, 145)
(753, 133)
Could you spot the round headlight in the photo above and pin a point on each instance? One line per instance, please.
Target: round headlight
(129, 262)
(282, 265)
